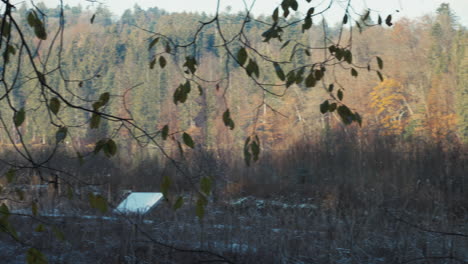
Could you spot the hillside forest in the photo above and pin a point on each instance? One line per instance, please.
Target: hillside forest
(364, 186)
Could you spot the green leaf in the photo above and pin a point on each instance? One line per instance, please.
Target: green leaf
(179, 202)
(307, 23)
(242, 56)
(380, 63)
(348, 56)
(152, 63)
(290, 78)
(92, 19)
(310, 80)
(188, 140)
(228, 120)
(324, 107)
(162, 62)
(346, 115)
(34, 256)
(275, 15)
(285, 44)
(19, 117)
(10, 175)
(380, 76)
(279, 71)
(379, 20)
(99, 145)
(340, 94)
(252, 68)
(153, 42)
(354, 73)
(332, 107)
(104, 98)
(110, 148)
(190, 63)
(388, 21)
(61, 134)
(54, 105)
(165, 132)
(95, 121)
(205, 185)
(165, 185)
(345, 19)
(255, 147)
(330, 87)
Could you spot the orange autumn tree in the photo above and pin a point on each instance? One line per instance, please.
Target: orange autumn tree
(391, 110)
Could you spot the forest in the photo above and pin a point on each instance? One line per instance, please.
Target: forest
(364, 159)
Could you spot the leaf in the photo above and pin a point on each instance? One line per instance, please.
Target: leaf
(152, 63)
(110, 148)
(345, 19)
(380, 76)
(324, 107)
(255, 147)
(34, 256)
(95, 121)
(285, 44)
(331, 87)
(332, 107)
(162, 62)
(19, 117)
(153, 42)
(388, 21)
(346, 115)
(10, 175)
(165, 185)
(165, 132)
(307, 23)
(190, 63)
(275, 15)
(99, 145)
(290, 78)
(92, 19)
(340, 95)
(310, 80)
(279, 71)
(348, 56)
(242, 56)
(380, 63)
(188, 140)
(61, 134)
(379, 20)
(227, 120)
(179, 202)
(54, 105)
(205, 185)
(354, 73)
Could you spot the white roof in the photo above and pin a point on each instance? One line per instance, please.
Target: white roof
(139, 202)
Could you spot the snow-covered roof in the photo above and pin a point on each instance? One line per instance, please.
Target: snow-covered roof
(139, 202)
